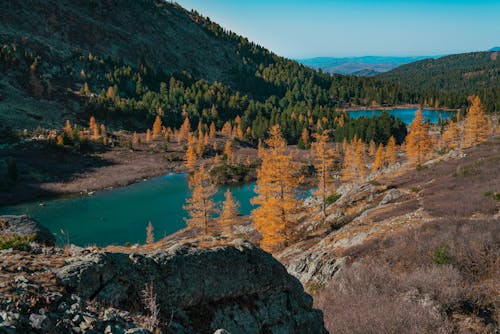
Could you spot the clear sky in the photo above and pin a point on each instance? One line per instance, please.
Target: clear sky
(312, 28)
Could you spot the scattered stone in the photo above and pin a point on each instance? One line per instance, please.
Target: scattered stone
(39, 321)
(391, 196)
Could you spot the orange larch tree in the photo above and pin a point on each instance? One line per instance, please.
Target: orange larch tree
(200, 206)
(391, 151)
(477, 128)
(190, 156)
(229, 213)
(372, 149)
(359, 161)
(276, 190)
(184, 130)
(212, 131)
(452, 136)
(379, 161)
(157, 127)
(418, 141)
(324, 161)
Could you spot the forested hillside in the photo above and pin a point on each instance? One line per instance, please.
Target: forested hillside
(128, 61)
(447, 81)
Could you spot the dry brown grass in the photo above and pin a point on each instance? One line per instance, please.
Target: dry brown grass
(419, 281)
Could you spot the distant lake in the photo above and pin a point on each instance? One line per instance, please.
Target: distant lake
(121, 215)
(406, 115)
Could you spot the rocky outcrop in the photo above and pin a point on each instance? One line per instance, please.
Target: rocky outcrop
(239, 288)
(315, 269)
(26, 226)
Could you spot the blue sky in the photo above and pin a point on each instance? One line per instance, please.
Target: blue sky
(309, 28)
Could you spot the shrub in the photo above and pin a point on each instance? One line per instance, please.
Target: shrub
(441, 255)
(332, 198)
(16, 242)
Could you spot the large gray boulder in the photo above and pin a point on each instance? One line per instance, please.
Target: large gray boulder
(239, 288)
(26, 226)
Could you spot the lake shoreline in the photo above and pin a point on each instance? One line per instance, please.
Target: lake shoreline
(402, 106)
(122, 168)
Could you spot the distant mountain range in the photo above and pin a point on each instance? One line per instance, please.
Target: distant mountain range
(496, 48)
(363, 66)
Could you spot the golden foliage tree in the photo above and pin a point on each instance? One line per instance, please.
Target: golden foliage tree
(379, 161)
(304, 138)
(391, 151)
(324, 160)
(227, 130)
(418, 141)
(157, 127)
(184, 130)
(452, 135)
(229, 213)
(200, 206)
(92, 123)
(110, 94)
(372, 148)
(148, 136)
(190, 156)
(359, 161)
(276, 190)
(477, 128)
(212, 131)
(228, 151)
(68, 130)
(104, 134)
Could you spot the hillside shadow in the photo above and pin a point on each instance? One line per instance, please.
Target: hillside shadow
(40, 164)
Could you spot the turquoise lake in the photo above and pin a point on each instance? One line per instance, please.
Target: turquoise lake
(121, 215)
(406, 115)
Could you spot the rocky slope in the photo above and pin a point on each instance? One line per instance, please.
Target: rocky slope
(237, 288)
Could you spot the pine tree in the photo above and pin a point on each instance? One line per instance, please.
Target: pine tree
(229, 213)
(150, 237)
(276, 190)
(157, 127)
(418, 141)
(390, 150)
(190, 157)
(200, 206)
(477, 128)
(379, 161)
(148, 136)
(323, 158)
